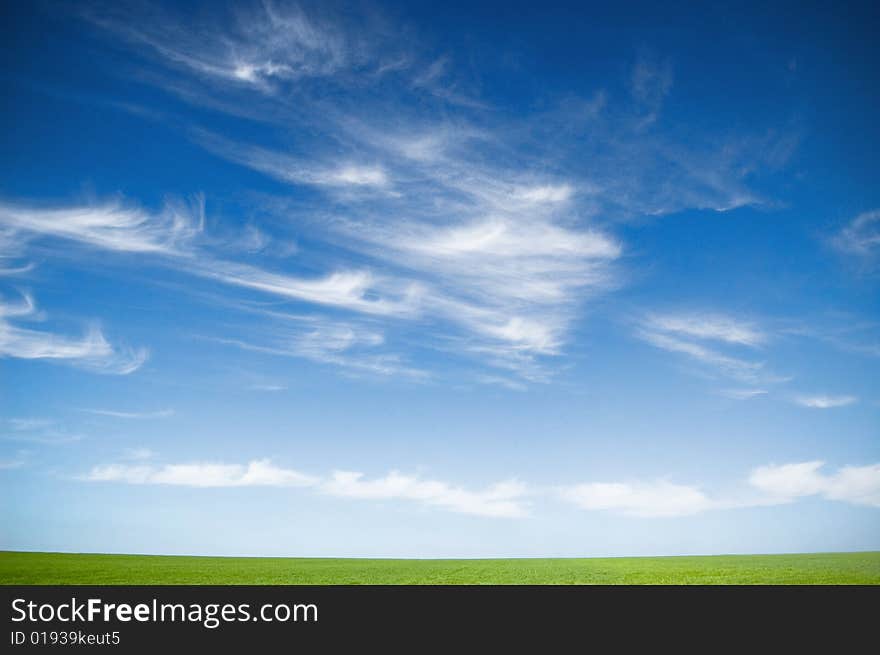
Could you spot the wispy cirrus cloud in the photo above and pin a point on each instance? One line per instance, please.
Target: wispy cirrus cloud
(38, 430)
(171, 233)
(735, 367)
(861, 236)
(715, 327)
(359, 291)
(139, 454)
(161, 413)
(847, 332)
(514, 282)
(635, 166)
(713, 340)
(487, 245)
(491, 236)
(299, 170)
(500, 381)
(500, 256)
(16, 461)
(45, 437)
(650, 82)
(824, 402)
(261, 47)
(158, 235)
(743, 394)
(434, 79)
(351, 347)
(91, 351)
(30, 423)
(26, 268)
(111, 225)
(486, 279)
(267, 387)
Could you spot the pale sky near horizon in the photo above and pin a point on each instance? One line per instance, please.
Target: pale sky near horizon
(402, 279)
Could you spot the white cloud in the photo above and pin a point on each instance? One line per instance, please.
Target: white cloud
(276, 49)
(499, 500)
(846, 332)
(497, 380)
(111, 226)
(435, 80)
(733, 366)
(259, 48)
(162, 413)
(358, 176)
(485, 232)
(16, 270)
(170, 232)
(27, 424)
(256, 473)
(642, 499)
(856, 484)
(859, 485)
(509, 238)
(743, 394)
(650, 83)
(825, 402)
(349, 346)
(509, 277)
(358, 291)
(296, 169)
(775, 485)
(715, 327)
(19, 460)
(504, 499)
(494, 252)
(689, 333)
(139, 453)
(861, 236)
(92, 351)
(545, 193)
(268, 387)
(789, 480)
(45, 437)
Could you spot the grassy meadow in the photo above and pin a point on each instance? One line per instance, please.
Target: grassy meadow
(61, 569)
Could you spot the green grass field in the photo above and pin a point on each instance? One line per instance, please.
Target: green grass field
(60, 568)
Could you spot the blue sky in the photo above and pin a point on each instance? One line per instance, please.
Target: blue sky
(422, 280)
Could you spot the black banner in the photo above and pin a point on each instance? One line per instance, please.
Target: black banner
(416, 618)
